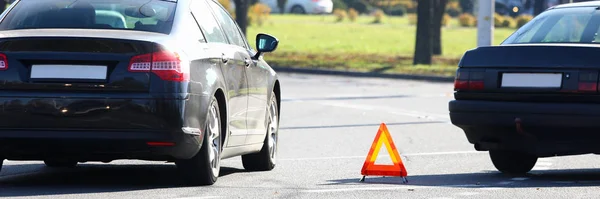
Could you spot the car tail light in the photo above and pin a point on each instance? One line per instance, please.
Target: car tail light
(588, 82)
(165, 64)
(160, 144)
(469, 80)
(3, 62)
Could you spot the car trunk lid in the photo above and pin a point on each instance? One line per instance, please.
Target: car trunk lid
(528, 72)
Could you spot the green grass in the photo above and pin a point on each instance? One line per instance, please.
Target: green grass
(320, 42)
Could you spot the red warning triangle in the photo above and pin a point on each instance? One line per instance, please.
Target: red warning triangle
(370, 169)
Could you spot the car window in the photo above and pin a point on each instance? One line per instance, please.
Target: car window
(144, 15)
(567, 25)
(207, 22)
(229, 26)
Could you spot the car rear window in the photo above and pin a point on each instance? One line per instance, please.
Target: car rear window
(564, 25)
(143, 15)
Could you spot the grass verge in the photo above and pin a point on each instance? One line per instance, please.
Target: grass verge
(318, 42)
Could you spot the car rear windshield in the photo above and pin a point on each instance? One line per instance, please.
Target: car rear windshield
(142, 15)
(563, 25)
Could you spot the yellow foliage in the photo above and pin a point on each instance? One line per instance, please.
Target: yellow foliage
(509, 22)
(258, 13)
(446, 19)
(498, 20)
(352, 14)
(523, 19)
(339, 15)
(467, 20)
(379, 15)
(412, 19)
(227, 5)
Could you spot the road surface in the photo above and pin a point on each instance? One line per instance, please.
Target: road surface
(328, 124)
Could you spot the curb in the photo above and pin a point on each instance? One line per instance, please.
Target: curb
(363, 74)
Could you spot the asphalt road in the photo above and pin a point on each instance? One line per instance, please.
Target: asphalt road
(327, 127)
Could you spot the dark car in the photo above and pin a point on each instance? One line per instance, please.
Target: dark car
(536, 94)
(165, 80)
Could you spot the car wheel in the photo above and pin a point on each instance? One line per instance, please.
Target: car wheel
(511, 162)
(265, 160)
(204, 167)
(1, 163)
(298, 10)
(60, 163)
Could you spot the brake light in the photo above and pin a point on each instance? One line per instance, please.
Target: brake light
(469, 80)
(588, 82)
(3, 62)
(160, 144)
(165, 64)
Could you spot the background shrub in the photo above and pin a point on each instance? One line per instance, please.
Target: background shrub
(523, 19)
(339, 14)
(467, 20)
(379, 15)
(258, 14)
(352, 14)
(339, 4)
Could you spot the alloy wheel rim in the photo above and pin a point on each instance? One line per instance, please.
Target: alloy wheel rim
(214, 136)
(273, 131)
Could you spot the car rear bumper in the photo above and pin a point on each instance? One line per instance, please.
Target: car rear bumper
(99, 128)
(88, 145)
(544, 129)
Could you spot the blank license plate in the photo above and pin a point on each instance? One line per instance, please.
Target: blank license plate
(532, 80)
(68, 72)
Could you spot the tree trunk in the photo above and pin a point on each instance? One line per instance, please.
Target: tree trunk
(241, 13)
(438, 16)
(423, 48)
(281, 5)
(539, 6)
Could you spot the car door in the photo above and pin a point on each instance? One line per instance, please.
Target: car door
(233, 72)
(257, 83)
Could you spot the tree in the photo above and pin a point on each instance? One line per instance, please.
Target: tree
(423, 47)
(281, 5)
(241, 14)
(439, 9)
(538, 6)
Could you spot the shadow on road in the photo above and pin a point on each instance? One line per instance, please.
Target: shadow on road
(93, 179)
(490, 179)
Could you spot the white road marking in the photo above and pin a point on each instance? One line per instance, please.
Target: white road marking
(365, 156)
(395, 110)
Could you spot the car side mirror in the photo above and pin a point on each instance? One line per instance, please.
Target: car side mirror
(265, 43)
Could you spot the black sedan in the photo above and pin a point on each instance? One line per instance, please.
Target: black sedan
(158, 80)
(535, 95)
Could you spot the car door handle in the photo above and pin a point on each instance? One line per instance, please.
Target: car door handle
(224, 59)
(248, 62)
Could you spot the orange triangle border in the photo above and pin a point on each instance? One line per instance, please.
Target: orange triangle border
(370, 169)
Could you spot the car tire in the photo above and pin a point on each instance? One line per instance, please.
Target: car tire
(512, 162)
(1, 163)
(60, 163)
(266, 159)
(203, 169)
(298, 10)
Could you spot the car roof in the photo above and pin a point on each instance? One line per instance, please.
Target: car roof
(579, 4)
